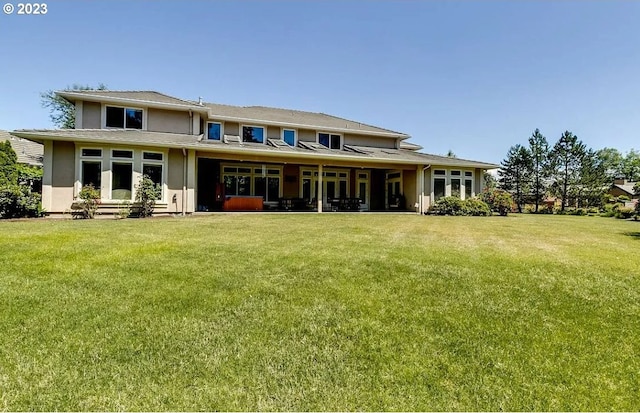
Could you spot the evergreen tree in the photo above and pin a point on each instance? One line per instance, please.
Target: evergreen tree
(539, 149)
(566, 159)
(515, 174)
(593, 180)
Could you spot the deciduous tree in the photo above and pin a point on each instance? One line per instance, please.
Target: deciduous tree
(62, 112)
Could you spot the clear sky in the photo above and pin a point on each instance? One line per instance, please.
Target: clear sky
(472, 76)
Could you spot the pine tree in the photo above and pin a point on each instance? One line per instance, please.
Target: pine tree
(566, 160)
(515, 174)
(539, 149)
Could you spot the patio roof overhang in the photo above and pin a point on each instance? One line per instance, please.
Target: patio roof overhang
(360, 155)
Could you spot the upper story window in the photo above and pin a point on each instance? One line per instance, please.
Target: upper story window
(330, 140)
(214, 131)
(289, 136)
(127, 118)
(253, 134)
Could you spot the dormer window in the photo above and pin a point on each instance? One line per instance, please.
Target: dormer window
(330, 140)
(253, 134)
(124, 118)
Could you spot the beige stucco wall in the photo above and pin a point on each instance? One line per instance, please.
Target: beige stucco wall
(175, 180)
(273, 132)
(91, 113)
(306, 135)
(373, 141)
(63, 176)
(171, 121)
(409, 188)
(231, 128)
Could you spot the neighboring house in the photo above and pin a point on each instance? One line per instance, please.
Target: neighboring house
(28, 152)
(209, 157)
(622, 187)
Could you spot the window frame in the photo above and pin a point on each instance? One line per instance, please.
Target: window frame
(124, 108)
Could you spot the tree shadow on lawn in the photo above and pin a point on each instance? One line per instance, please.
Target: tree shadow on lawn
(635, 235)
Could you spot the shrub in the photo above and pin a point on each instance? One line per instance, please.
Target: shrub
(623, 198)
(449, 205)
(624, 213)
(452, 205)
(498, 200)
(147, 192)
(477, 207)
(19, 202)
(90, 200)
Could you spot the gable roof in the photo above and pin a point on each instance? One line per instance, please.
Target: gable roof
(248, 114)
(304, 150)
(28, 152)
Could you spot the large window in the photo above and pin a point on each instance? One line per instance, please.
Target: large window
(121, 169)
(129, 118)
(253, 134)
(152, 167)
(214, 131)
(256, 180)
(289, 136)
(452, 183)
(121, 180)
(91, 173)
(329, 140)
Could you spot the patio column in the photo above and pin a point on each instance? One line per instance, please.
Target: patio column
(319, 188)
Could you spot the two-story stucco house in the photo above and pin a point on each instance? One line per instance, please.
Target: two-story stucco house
(209, 157)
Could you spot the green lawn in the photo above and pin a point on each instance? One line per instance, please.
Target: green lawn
(320, 312)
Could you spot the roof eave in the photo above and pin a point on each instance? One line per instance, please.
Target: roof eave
(73, 97)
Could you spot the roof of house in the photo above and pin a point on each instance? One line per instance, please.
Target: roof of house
(149, 96)
(28, 152)
(277, 148)
(296, 118)
(626, 187)
(256, 114)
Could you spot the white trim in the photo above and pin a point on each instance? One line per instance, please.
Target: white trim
(330, 134)
(295, 135)
(264, 133)
(103, 117)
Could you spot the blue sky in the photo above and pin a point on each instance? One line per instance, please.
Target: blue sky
(474, 77)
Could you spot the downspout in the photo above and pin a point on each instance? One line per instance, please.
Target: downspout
(422, 187)
(190, 122)
(184, 181)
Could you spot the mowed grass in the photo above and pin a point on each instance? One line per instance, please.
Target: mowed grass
(320, 312)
